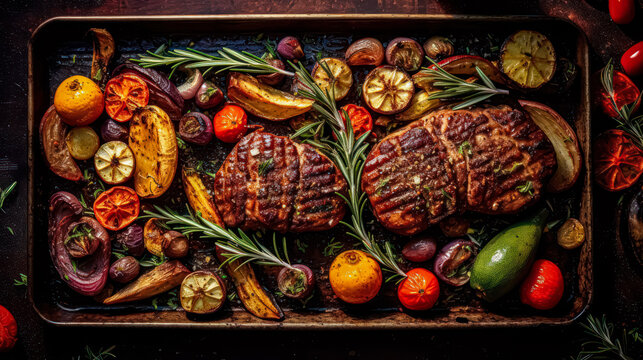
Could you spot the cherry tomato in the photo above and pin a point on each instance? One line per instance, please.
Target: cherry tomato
(622, 11)
(625, 93)
(8, 330)
(419, 291)
(123, 94)
(117, 207)
(230, 124)
(632, 60)
(618, 163)
(361, 119)
(543, 288)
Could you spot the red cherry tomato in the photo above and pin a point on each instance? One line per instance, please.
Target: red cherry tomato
(618, 163)
(123, 94)
(543, 288)
(117, 207)
(361, 119)
(230, 124)
(625, 93)
(632, 60)
(622, 11)
(8, 330)
(419, 290)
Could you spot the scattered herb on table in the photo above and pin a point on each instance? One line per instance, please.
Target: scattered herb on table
(5, 192)
(22, 281)
(601, 343)
(99, 354)
(265, 166)
(302, 246)
(332, 247)
(10, 230)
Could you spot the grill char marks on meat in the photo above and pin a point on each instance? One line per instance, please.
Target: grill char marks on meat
(271, 182)
(492, 160)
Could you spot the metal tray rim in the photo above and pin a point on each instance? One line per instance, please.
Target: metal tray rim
(262, 324)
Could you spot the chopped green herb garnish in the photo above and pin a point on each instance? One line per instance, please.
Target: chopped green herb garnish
(332, 247)
(265, 167)
(528, 188)
(5, 192)
(301, 245)
(22, 281)
(446, 195)
(10, 230)
(465, 146)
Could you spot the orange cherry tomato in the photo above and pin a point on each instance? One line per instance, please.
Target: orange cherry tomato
(361, 119)
(8, 330)
(618, 163)
(419, 291)
(543, 288)
(123, 94)
(117, 207)
(625, 93)
(230, 124)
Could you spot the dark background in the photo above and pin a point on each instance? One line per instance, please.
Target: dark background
(618, 285)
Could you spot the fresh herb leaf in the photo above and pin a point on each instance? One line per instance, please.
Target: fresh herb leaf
(601, 341)
(465, 147)
(100, 354)
(181, 144)
(155, 303)
(332, 247)
(381, 185)
(446, 195)
(301, 245)
(265, 166)
(5, 192)
(10, 230)
(22, 281)
(526, 188)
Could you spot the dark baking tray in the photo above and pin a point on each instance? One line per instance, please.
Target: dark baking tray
(58, 49)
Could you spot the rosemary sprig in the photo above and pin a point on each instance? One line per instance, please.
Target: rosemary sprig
(5, 192)
(228, 59)
(633, 126)
(100, 354)
(602, 343)
(348, 154)
(453, 87)
(237, 246)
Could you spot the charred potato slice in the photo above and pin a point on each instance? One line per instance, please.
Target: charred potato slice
(264, 101)
(153, 141)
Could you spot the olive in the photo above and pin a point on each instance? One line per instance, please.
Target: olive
(124, 269)
(131, 240)
(175, 244)
(420, 249)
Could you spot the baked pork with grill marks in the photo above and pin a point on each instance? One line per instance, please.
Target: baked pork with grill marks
(271, 182)
(488, 160)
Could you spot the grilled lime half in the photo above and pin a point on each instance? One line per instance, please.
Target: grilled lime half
(528, 58)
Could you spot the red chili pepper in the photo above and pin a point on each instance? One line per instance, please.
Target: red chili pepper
(622, 11)
(632, 60)
(8, 330)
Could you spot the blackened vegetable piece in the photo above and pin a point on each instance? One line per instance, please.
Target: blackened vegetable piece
(196, 128)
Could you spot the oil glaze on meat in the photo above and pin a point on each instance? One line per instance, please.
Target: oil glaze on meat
(491, 160)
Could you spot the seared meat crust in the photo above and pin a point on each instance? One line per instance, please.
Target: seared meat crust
(271, 182)
(491, 160)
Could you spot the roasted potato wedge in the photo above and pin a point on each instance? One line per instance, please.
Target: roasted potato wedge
(264, 101)
(153, 237)
(198, 197)
(420, 105)
(104, 47)
(57, 155)
(157, 281)
(153, 142)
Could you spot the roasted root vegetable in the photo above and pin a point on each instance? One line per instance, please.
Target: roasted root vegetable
(333, 75)
(156, 281)
(296, 283)
(153, 237)
(196, 128)
(420, 105)
(437, 47)
(113, 131)
(366, 51)
(153, 142)
(290, 48)
(192, 84)
(124, 270)
(131, 240)
(164, 243)
(405, 53)
(198, 196)
(264, 101)
(57, 155)
(454, 261)
(104, 47)
(561, 135)
(254, 298)
(88, 275)
(208, 96)
(202, 292)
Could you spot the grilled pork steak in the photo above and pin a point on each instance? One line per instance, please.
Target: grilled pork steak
(272, 182)
(491, 160)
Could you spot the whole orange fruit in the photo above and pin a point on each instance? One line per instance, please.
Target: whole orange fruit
(544, 286)
(355, 277)
(78, 101)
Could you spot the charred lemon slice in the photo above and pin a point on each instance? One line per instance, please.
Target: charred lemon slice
(388, 90)
(202, 292)
(114, 162)
(528, 58)
(340, 77)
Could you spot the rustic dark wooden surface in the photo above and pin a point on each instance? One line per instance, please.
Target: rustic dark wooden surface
(618, 288)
